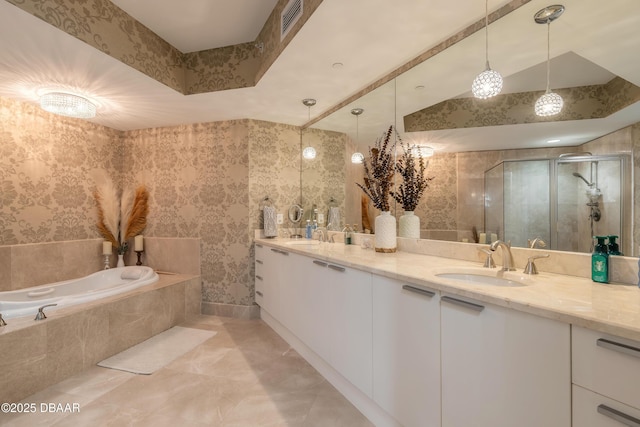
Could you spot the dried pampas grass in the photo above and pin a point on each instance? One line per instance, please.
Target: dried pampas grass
(120, 219)
(106, 197)
(137, 220)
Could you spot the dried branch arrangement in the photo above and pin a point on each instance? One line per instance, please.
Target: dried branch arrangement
(413, 170)
(378, 172)
(121, 218)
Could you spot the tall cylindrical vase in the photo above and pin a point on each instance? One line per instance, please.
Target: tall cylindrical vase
(385, 237)
(409, 225)
(120, 260)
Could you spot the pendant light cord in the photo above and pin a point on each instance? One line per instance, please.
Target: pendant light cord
(486, 31)
(548, 54)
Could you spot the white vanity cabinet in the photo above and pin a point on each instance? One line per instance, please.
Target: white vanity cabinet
(259, 251)
(606, 378)
(269, 278)
(503, 368)
(406, 351)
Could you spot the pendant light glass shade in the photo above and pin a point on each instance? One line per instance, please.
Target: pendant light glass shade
(549, 104)
(66, 104)
(357, 157)
(422, 151)
(309, 153)
(489, 82)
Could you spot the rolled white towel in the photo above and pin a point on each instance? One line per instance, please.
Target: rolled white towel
(334, 218)
(270, 221)
(132, 273)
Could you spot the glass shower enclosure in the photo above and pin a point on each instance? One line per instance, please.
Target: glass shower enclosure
(563, 201)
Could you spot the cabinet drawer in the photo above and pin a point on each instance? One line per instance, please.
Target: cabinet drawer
(593, 410)
(607, 365)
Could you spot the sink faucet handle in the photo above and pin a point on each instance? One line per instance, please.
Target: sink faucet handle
(488, 262)
(531, 265)
(41, 315)
(2, 322)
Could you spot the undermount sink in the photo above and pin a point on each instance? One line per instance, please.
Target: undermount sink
(490, 277)
(307, 242)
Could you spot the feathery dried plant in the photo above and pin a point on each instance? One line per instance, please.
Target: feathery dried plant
(414, 178)
(106, 197)
(378, 172)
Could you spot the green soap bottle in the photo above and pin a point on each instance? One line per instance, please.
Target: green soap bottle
(614, 249)
(600, 261)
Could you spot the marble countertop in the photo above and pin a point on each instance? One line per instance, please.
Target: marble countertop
(609, 308)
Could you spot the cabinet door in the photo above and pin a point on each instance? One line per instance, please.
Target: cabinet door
(594, 410)
(503, 368)
(347, 321)
(406, 352)
(274, 269)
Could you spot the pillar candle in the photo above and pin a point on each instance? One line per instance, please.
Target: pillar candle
(106, 248)
(139, 243)
(482, 238)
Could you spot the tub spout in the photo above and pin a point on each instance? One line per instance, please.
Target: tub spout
(2, 322)
(41, 315)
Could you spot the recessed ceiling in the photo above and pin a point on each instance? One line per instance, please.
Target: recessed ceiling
(194, 25)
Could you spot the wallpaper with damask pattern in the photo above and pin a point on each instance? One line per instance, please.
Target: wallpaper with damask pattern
(205, 180)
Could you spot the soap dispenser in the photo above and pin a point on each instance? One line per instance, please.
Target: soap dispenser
(308, 231)
(614, 249)
(600, 261)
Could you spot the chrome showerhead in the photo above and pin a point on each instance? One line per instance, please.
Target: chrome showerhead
(577, 175)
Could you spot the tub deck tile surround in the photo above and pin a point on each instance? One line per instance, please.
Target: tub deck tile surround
(72, 339)
(246, 375)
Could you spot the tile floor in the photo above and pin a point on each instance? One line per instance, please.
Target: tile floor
(246, 375)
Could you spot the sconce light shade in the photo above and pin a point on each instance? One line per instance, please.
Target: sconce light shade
(487, 84)
(309, 153)
(357, 158)
(66, 104)
(549, 104)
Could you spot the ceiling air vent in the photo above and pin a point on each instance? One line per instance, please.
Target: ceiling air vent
(290, 15)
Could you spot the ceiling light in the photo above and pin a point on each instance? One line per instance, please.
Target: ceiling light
(67, 104)
(357, 157)
(489, 82)
(550, 103)
(422, 151)
(309, 152)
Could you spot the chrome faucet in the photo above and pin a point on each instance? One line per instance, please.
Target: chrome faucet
(507, 257)
(2, 322)
(538, 241)
(322, 238)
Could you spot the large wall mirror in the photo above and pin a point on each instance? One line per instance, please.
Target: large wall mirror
(594, 65)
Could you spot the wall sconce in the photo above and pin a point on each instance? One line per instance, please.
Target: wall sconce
(422, 151)
(357, 157)
(309, 152)
(67, 104)
(550, 103)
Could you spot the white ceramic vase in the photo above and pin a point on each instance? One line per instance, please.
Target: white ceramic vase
(409, 225)
(385, 237)
(120, 261)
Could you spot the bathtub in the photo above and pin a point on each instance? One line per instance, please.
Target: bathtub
(25, 302)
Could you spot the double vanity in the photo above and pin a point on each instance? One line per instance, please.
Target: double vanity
(421, 340)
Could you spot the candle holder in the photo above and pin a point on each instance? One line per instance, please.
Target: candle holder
(107, 261)
(139, 253)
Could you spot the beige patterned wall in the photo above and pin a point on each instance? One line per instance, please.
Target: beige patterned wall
(47, 169)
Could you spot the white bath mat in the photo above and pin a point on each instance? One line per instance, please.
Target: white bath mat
(158, 351)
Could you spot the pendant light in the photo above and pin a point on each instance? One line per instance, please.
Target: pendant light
(550, 103)
(309, 152)
(357, 157)
(489, 82)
